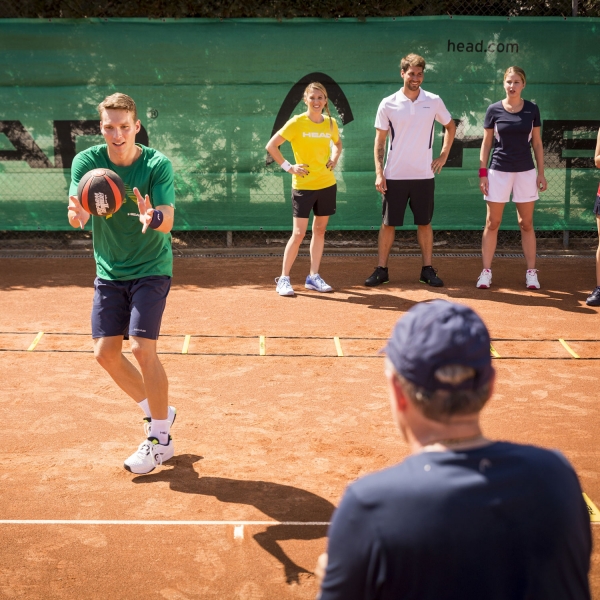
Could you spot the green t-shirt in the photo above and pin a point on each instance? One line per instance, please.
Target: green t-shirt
(121, 250)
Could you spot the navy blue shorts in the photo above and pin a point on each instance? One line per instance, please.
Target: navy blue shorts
(597, 204)
(129, 308)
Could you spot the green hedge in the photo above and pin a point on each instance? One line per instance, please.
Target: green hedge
(284, 9)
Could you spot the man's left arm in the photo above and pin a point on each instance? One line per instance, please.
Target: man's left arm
(445, 118)
(160, 218)
(449, 134)
(354, 567)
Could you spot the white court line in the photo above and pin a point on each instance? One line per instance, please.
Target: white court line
(139, 522)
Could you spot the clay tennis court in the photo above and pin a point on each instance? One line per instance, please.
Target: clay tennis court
(269, 430)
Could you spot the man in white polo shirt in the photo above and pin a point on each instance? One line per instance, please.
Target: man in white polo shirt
(408, 118)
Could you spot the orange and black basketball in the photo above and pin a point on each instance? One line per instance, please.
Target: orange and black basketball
(101, 192)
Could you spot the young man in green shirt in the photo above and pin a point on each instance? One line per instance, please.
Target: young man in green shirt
(134, 266)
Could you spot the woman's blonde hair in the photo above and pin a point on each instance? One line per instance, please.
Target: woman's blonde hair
(319, 86)
(518, 71)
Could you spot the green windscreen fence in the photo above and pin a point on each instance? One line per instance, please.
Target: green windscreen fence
(210, 94)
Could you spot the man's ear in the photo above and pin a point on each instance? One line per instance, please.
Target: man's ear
(400, 398)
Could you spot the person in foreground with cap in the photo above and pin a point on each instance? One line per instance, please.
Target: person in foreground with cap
(464, 516)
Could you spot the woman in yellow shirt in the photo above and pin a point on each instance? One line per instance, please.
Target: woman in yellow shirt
(317, 147)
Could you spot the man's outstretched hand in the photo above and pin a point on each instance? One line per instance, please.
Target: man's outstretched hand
(145, 208)
(78, 211)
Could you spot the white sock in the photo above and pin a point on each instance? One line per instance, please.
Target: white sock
(160, 430)
(144, 406)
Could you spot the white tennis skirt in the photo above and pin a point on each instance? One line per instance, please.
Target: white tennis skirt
(502, 184)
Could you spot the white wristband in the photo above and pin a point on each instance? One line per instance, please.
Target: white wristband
(285, 165)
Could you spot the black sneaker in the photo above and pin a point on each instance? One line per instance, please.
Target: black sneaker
(380, 275)
(429, 276)
(594, 298)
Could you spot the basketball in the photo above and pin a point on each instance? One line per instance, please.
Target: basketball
(101, 192)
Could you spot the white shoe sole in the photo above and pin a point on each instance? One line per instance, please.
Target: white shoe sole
(316, 289)
(292, 293)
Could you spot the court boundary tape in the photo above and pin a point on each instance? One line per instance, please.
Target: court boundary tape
(262, 339)
(318, 356)
(289, 337)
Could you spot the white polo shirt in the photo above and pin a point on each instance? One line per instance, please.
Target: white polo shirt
(411, 126)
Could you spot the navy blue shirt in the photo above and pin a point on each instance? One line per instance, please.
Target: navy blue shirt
(512, 136)
(501, 522)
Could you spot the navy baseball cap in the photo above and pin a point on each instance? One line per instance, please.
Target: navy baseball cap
(437, 334)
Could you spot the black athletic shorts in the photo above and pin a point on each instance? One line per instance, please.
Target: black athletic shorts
(597, 203)
(418, 193)
(322, 202)
(129, 308)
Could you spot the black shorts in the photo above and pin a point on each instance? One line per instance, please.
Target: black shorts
(597, 205)
(322, 202)
(416, 192)
(129, 308)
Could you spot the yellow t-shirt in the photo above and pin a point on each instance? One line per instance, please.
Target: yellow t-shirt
(311, 144)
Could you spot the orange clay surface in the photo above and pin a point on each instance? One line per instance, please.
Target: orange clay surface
(257, 438)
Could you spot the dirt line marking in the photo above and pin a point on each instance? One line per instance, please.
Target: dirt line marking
(568, 348)
(338, 346)
(35, 342)
(261, 346)
(494, 352)
(592, 509)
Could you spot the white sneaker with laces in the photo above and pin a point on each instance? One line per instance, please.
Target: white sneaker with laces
(171, 416)
(485, 279)
(149, 455)
(315, 282)
(531, 280)
(284, 286)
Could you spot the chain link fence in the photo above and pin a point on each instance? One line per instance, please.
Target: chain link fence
(185, 243)
(285, 9)
(566, 181)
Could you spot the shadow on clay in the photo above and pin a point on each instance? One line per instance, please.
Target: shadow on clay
(280, 502)
(567, 301)
(374, 301)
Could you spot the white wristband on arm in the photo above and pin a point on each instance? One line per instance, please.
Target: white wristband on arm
(285, 165)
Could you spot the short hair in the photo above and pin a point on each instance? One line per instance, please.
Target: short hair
(412, 60)
(441, 405)
(518, 71)
(118, 101)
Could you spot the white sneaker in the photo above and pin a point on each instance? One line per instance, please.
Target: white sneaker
(284, 286)
(315, 282)
(531, 280)
(171, 416)
(485, 279)
(149, 455)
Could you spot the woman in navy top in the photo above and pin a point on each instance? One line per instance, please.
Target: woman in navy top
(594, 298)
(511, 127)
